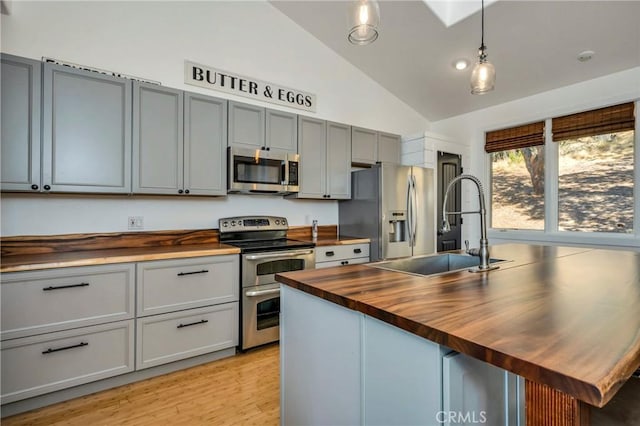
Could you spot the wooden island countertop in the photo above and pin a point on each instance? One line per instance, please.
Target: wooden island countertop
(564, 317)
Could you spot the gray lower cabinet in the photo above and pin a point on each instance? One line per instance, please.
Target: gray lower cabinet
(325, 167)
(86, 135)
(340, 255)
(178, 142)
(20, 108)
(370, 147)
(253, 127)
(477, 392)
(45, 363)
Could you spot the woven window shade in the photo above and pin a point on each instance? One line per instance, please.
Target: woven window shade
(515, 137)
(617, 118)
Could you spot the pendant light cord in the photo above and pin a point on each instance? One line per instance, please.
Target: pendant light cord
(482, 26)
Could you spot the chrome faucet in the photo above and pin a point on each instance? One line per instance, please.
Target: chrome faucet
(483, 251)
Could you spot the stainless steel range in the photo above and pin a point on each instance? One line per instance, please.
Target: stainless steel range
(265, 251)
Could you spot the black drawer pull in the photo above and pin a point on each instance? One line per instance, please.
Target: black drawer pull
(193, 323)
(357, 251)
(329, 254)
(59, 287)
(182, 274)
(344, 262)
(79, 345)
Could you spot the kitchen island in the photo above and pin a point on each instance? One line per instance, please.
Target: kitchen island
(565, 319)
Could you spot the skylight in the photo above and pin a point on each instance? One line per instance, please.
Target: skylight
(452, 11)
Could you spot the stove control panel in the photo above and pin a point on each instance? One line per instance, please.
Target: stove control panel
(252, 223)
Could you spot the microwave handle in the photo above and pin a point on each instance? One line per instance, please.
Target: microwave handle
(285, 172)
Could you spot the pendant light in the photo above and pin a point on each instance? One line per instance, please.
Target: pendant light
(483, 76)
(364, 18)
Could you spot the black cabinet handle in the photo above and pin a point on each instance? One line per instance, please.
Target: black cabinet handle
(50, 350)
(262, 148)
(186, 191)
(34, 187)
(268, 148)
(193, 323)
(329, 254)
(345, 262)
(357, 251)
(60, 287)
(180, 191)
(47, 187)
(182, 274)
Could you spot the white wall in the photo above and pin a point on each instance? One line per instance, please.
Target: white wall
(152, 40)
(470, 128)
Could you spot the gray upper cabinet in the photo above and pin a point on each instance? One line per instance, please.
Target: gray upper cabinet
(281, 131)
(157, 139)
(205, 142)
(388, 148)
(20, 108)
(86, 135)
(338, 164)
(364, 146)
(246, 126)
(325, 166)
(313, 157)
(179, 142)
(254, 127)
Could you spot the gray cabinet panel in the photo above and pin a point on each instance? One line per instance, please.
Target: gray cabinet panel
(157, 139)
(338, 161)
(282, 131)
(388, 148)
(313, 158)
(364, 145)
(20, 108)
(87, 131)
(205, 141)
(246, 126)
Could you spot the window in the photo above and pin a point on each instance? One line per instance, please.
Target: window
(517, 177)
(595, 170)
(591, 182)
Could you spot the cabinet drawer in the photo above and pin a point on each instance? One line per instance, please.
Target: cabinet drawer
(171, 337)
(341, 252)
(58, 299)
(342, 262)
(171, 285)
(40, 364)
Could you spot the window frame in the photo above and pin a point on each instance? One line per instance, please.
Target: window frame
(551, 233)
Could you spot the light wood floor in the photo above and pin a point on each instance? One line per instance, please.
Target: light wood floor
(240, 390)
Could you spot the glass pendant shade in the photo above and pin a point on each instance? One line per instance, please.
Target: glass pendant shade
(483, 77)
(364, 18)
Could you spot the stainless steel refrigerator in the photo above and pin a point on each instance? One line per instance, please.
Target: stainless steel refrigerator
(393, 206)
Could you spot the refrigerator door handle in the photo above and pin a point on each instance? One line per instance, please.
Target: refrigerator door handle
(409, 210)
(414, 214)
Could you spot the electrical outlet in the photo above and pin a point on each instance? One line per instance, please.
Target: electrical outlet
(135, 222)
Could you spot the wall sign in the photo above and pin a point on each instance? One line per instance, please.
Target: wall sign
(216, 79)
(98, 70)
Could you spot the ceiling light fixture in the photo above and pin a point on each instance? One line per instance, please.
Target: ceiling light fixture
(483, 76)
(364, 18)
(460, 64)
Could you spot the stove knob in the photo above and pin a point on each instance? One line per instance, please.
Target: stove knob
(225, 224)
(284, 221)
(277, 222)
(233, 223)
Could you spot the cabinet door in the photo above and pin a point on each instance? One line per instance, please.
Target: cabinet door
(87, 131)
(20, 108)
(388, 148)
(282, 131)
(338, 163)
(246, 126)
(364, 146)
(205, 142)
(477, 390)
(313, 158)
(157, 139)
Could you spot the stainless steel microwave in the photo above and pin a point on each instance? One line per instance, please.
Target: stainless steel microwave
(255, 171)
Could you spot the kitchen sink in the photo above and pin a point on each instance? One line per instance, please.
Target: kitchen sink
(433, 264)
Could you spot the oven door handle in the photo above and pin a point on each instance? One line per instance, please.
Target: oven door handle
(280, 254)
(255, 293)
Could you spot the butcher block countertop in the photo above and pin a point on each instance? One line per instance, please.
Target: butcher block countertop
(565, 317)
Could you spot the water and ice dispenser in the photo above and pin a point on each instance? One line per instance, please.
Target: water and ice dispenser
(397, 226)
